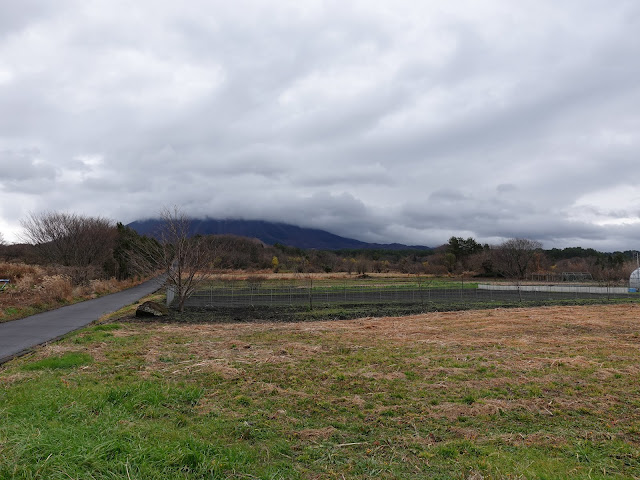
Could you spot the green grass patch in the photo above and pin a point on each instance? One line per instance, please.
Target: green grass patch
(14, 313)
(68, 360)
(351, 281)
(106, 327)
(97, 333)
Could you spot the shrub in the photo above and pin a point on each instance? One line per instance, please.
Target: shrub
(55, 288)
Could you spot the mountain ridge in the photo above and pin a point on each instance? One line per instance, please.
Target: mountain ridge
(272, 233)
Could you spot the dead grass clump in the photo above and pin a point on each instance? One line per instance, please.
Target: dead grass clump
(26, 282)
(16, 271)
(97, 287)
(102, 287)
(34, 284)
(189, 367)
(299, 350)
(383, 375)
(316, 433)
(452, 411)
(8, 380)
(534, 439)
(55, 288)
(35, 288)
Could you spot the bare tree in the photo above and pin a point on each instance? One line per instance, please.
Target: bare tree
(612, 268)
(2, 242)
(515, 256)
(186, 259)
(70, 239)
(363, 266)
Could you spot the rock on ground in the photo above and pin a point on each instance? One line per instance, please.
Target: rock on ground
(151, 309)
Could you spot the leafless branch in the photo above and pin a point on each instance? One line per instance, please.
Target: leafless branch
(186, 258)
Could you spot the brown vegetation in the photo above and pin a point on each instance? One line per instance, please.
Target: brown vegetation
(524, 336)
(518, 393)
(72, 240)
(35, 288)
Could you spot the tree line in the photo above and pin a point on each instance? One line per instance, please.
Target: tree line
(96, 247)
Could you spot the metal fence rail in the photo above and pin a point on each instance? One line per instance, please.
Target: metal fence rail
(245, 296)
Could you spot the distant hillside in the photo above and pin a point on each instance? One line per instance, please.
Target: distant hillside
(272, 233)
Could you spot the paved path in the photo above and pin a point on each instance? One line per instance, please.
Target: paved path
(18, 336)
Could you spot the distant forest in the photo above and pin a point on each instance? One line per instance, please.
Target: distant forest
(96, 248)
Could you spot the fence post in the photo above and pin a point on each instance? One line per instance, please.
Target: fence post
(171, 294)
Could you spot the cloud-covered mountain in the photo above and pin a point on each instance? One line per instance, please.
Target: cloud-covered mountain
(271, 233)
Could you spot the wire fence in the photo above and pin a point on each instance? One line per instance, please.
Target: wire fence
(289, 295)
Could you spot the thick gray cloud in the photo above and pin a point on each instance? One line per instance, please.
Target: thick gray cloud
(406, 122)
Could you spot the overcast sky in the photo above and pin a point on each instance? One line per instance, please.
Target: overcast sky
(385, 121)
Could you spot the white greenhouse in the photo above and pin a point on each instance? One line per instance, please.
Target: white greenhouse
(634, 280)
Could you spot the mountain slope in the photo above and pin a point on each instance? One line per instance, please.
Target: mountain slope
(271, 233)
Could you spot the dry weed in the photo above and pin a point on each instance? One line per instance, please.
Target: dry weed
(102, 287)
(15, 271)
(33, 288)
(56, 288)
(316, 433)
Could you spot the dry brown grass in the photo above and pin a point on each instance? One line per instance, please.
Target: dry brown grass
(521, 340)
(498, 393)
(34, 288)
(270, 275)
(15, 271)
(532, 330)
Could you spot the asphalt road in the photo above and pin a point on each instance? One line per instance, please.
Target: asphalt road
(19, 336)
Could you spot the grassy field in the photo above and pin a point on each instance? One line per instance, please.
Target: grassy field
(322, 281)
(549, 392)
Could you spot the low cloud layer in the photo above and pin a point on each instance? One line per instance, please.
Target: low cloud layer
(408, 123)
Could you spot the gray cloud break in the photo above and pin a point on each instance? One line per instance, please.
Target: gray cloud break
(405, 123)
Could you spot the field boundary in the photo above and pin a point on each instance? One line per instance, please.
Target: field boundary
(555, 288)
(299, 294)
